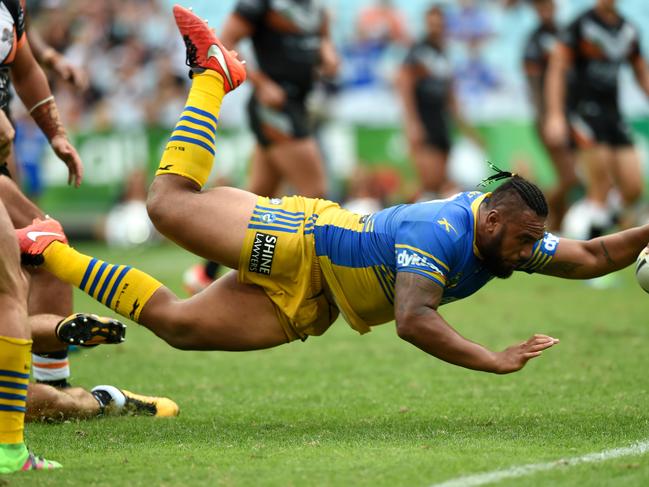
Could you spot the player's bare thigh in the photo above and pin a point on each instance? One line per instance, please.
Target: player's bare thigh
(210, 223)
(627, 172)
(300, 163)
(264, 179)
(597, 161)
(227, 315)
(21, 210)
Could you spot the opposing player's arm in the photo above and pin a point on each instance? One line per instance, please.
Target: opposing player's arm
(641, 72)
(241, 24)
(236, 28)
(460, 120)
(405, 83)
(419, 323)
(560, 61)
(34, 91)
(329, 59)
(585, 259)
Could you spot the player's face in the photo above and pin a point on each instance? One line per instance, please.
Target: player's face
(435, 25)
(512, 244)
(545, 11)
(606, 4)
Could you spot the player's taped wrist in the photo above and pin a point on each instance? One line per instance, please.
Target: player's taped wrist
(46, 115)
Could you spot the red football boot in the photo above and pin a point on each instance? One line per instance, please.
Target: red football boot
(205, 50)
(35, 238)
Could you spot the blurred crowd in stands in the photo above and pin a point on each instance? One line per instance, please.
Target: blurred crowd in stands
(134, 61)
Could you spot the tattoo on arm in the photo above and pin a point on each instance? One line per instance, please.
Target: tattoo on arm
(609, 260)
(565, 269)
(47, 118)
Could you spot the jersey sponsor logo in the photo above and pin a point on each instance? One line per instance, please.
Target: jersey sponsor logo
(447, 226)
(263, 251)
(407, 258)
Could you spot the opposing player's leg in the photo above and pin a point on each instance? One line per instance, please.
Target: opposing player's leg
(597, 160)
(50, 332)
(45, 402)
(300, 164)
(47, 294)
(627, 173)
(15, 355)
(264, 178)
(431, 164)
(562, 157)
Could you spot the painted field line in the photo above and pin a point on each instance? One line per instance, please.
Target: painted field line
(639, 448)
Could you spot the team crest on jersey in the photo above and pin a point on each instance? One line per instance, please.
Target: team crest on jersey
(262, 254)
(268, 217)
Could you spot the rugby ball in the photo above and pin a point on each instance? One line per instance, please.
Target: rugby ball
(642, 269)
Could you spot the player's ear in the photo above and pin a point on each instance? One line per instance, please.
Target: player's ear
(493, 221)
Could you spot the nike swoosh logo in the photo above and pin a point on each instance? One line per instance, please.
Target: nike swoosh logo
(215, 52)
(34, 235)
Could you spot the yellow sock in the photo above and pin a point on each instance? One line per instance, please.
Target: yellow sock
(120, 287)
(190, 150)
(15, 357)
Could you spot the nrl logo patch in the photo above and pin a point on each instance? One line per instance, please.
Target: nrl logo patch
(263, 251)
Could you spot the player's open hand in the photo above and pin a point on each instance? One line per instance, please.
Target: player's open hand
(555, 130)
(68, 154)
(67, 71)
(515, 357)
(270, 94)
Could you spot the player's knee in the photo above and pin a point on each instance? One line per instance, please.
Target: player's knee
(632, 193)
(165, 200)
(182, 335)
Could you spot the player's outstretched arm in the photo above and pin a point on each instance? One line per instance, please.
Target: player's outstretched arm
(34, 91)
(585, 259)
(418, 322)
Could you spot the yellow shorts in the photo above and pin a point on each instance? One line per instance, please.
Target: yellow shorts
(279, 256)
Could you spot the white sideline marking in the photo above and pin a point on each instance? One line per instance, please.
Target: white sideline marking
(523, 470)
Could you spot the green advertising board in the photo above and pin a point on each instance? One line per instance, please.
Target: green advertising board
(109, 157)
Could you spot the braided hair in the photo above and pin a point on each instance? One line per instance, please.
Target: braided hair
(527, 191)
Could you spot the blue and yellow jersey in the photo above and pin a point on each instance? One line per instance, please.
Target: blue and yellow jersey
(360, 255)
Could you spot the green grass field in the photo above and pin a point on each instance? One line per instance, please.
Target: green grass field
(343, 409)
